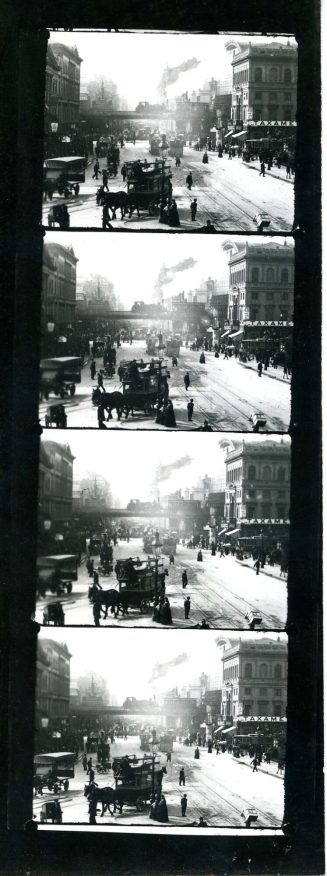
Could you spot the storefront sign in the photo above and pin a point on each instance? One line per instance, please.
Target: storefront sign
(268, 323)
(268, 124)
(260, 719)
(262, 520)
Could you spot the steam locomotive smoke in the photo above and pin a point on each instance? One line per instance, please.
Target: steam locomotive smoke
(162, 669)
(163, 472)
(172, 74)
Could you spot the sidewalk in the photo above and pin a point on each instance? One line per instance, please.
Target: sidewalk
(271, 373)
(269, 768)
(274, 571)
(278, 173)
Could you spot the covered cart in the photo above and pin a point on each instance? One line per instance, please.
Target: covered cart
(144, 385)
(59, 375)
(139, 781)
(56, 573)
(54, 769)
(64, 175)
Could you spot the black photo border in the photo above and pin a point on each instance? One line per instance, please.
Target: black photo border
(23, 42)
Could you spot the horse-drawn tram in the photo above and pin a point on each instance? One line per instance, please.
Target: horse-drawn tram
(148, 183)
(135, 783)
(144, 384)
(140, 582)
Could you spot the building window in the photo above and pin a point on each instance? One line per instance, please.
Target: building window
(284, 275)
(257, 95)
(250, 513)
(277, 692)
(270, 276)
(281, 512)
(255, 275)
(287, 112)
(281, 494)
(263, 691)
(263, 707)
(273, 74)
(258, 75)
(277, 708)
(269, 312)
(248, 709)
(248, 691)
(251, 473)
(251, 494)
(266, 475)
(288, 76)
(248, 670)
(266, 494)
(277, 671)
(266, 509)
(255, 296)
(263, 670)
(281, 475)
(257, 114)
(288, 96)
(269, 296)
(253, 314)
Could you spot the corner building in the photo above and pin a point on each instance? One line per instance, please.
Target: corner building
(254, 679)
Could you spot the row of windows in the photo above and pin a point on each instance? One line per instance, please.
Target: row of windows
(266, 473)
(266, 494)
(286, 75)
(273, 97)
(255, 314)
(233, 671)
(261, 710)
(270, 275)
(286, 114)
(237, 276)
(267, 511)
(277, 692)
(269, 296)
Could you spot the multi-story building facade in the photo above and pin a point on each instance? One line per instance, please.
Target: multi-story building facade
(254, 679)
(261, 292)
(52, 683)
(56, 481)
(264, 90)
(65, 98)
(257, 481)
(58, 286)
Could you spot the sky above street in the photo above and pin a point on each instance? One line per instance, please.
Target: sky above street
(132, 466)
(136, 61)
(145, 663)
(134, 277)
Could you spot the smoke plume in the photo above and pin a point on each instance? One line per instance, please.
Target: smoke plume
(163, 472)
(172, 74)
(162, 669)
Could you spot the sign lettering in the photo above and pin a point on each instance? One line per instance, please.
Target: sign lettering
(271, 124)
(281, 322)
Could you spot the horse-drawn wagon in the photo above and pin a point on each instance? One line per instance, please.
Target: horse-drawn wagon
(148, 183)
(135, 784)
(140, 582)
(144, 384)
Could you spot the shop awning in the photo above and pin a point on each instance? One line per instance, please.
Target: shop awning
(224, 335)
(230, 134)
(222, 532)
(236, 334)
(229, 730)
(240, 134)
(233, 531)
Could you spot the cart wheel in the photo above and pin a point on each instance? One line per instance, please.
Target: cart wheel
(72, 389)
(77, 189)
(62, 392)
(69, 586)
(42, 819)
(111, 807)
(144, 606)
(140, 804)
(47, 421)
(50, 223)
(67, 785)
(66, 193)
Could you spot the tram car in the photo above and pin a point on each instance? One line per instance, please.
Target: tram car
(146, 387)
(148, 183)
(173, 347)
(139, 583)
(169, 545)
(165, 743)
(175, 149)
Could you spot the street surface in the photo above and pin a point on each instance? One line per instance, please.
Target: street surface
(222, 591)
(229, 193)
(225, 392)
(218, 787)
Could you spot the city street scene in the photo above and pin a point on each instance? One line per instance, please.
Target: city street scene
(203, 143)
(190, 338)
(190, 533)
(192, 736)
